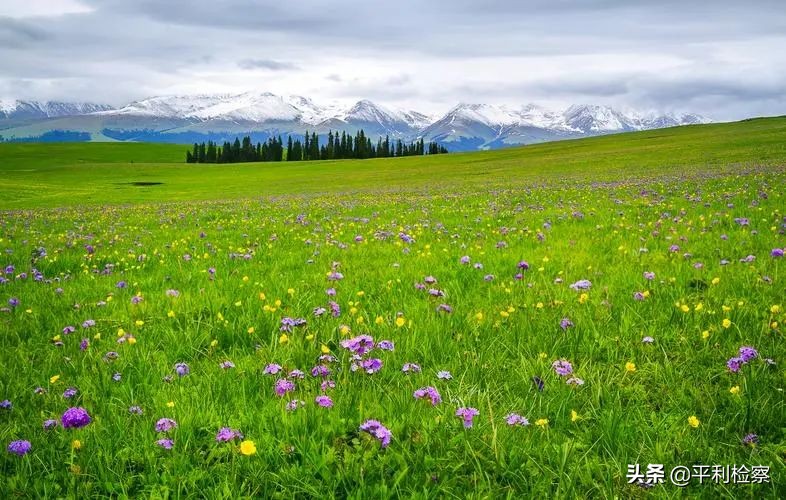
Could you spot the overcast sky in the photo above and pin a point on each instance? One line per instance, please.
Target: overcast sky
(722, 58)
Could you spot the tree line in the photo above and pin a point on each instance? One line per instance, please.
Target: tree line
(343, 146)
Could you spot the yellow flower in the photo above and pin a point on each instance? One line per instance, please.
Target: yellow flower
(726, 323)
(693, 421)
(630, 367)
(170, 404)
(685, 308)
(479, 316)
(171, 313)
(54, 379)
(97, 336)
(139, 322)
(775, 309)
(248, 448)
(250, 330)
(283, 339)
(245, 279)
(583, 298)
(735, 390)
(379, 320)
(574, 416)
(543, 355)
(705, 334)
(238, 303)
(325, 349)
(400, 321)
(214, 343)
(542, 422)
(261, 296)
(76, 444)
(291, 291)
(715, 281)
(344, 330)
(131, 340)
(120, 332)
(278, 302)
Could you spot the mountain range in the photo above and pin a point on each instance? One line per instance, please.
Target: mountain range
(220, 117)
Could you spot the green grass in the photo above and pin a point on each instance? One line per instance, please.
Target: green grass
(607, 210)
(37, 175)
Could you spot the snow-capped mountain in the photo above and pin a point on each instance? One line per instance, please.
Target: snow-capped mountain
(15, 109)
(189, 118)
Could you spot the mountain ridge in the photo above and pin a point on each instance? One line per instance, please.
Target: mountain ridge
(184, 118)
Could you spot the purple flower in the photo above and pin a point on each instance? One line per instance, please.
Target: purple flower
(377, 430)
(117, 377)
(327, 384)
(335, 276)
(320, 371)
(428, 392)
(467, 414)
(324, 401)
(777, 252)
(574, 381)
(359, 345)
(20, 447)
(330, 292)
(581, 285)
(135, 410)
(410, 368)
(50, 424)
(649, 275)
(225, 434)
(444, 308)
(295, 404)
(464, 259)
(227, 365)
(136, 299)
(565, 323)
(172, 293)
(13, 302)
(287, 323)
(75, 418)
(370, 366)
(182, 369)
(523, 265)
(488, 277)
(165, 443)
(296, 374)
(165, 425)
(6, 404)
(648, 340)
(748, 353)
(514, 419)
(88, 323)
(283, 386)
(69, 330)
(84, 344)
(750, 440)
(562, 367)
(271, 369)
(638, 296)
(444, 375)
(734, 364)
(385, 345)
(70, 392)
(121, 284)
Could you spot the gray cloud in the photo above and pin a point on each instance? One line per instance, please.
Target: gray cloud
(266, 64)
(726, 59)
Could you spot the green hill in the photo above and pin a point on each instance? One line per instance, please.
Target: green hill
(52, 175)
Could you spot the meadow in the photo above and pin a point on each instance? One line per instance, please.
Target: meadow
(523, 323)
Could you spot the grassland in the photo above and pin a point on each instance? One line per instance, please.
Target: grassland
(651, 263)
(84, 174)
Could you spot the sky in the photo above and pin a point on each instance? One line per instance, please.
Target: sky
(722, 58)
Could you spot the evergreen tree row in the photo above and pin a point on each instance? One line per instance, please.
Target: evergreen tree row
(344, 146)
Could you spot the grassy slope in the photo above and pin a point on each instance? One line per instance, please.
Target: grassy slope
(48, 175)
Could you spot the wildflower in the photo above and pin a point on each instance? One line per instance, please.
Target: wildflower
(135, 410)
(76, 444)
(748, 353)
(693, 421)
(53, 379)
(20, 447)
(377, 430)
(649, 275)
(359, 345)
(400, 321)
(630, 367)
(296, 374)
(513, 419)
(6, 404)
(70, 392)
(574, 381)
(726, 323)
(320, 371)
(225, 434)
(574, 416)
(542, 422)
(581, 285)
(562, 367)
(227, 365)
(165, 443)
(49, 424)
(283, 386)
(182, 369)
(248, 448)
(444, 375)
(170, 404)
(165, 425)
(272, 369)
(75, 417)
(385, 345)
(648, 340)
(734, 364)
(324, 401)
(750, 440)
(467, 414)
(428, 392)
(735, 390)
(565, 323)
(295, 404)
(410, 368)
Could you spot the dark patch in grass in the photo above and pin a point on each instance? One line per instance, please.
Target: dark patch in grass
(145, 183)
